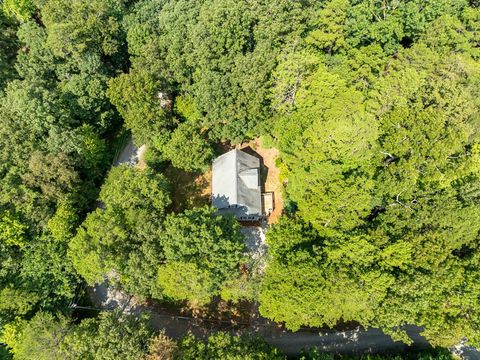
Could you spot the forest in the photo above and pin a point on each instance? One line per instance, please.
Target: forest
(373, 105)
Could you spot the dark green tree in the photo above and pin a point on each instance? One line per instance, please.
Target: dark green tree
(137, 98)
(8, 48)
(188, 149)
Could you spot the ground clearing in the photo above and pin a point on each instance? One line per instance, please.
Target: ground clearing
(142, 165)
(189, 190)
(270, 174)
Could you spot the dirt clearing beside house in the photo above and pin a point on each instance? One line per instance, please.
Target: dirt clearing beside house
(270, 174)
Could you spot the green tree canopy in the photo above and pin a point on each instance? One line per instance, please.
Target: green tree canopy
(8, 48)
(329, 153)
(140, 195)
(220, 52)
(75, 28)
(377, 127)
(188, 149)
(109, 336)
(206, 246)
(136, 96)
(22, 10)
(133, 202)
(224, 346)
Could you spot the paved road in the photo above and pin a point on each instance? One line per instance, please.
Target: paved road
(355, 341)
(130, 154)
(351, 342)
(469, 353)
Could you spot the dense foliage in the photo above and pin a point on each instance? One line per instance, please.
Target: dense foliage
(381, 158)
(54, 118)
(185, 256)
(373, 105)
(435, 354)
(112, 336)
(109, 337)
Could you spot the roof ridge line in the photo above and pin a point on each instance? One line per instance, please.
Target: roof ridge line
(236, 175)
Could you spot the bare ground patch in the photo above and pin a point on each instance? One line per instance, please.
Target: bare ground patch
(270, 174)
(142, 165)
(189, 190)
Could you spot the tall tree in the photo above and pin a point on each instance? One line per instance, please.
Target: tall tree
(133, 207)
(8, 47)
(329, 154)
(203, 246)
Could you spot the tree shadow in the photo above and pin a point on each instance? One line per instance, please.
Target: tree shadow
(189, 190)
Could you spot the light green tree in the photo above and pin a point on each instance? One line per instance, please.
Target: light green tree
(186, 281)
(63, 223)
(39, 338)
(139, 195)
(99, 245)
(12, 231)
(110, 336)
(22, 10)
(209, 246)
(330, 153)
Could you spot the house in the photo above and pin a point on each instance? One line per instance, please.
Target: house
(236, 187)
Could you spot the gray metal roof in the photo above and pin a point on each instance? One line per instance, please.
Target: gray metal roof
(236, 184)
